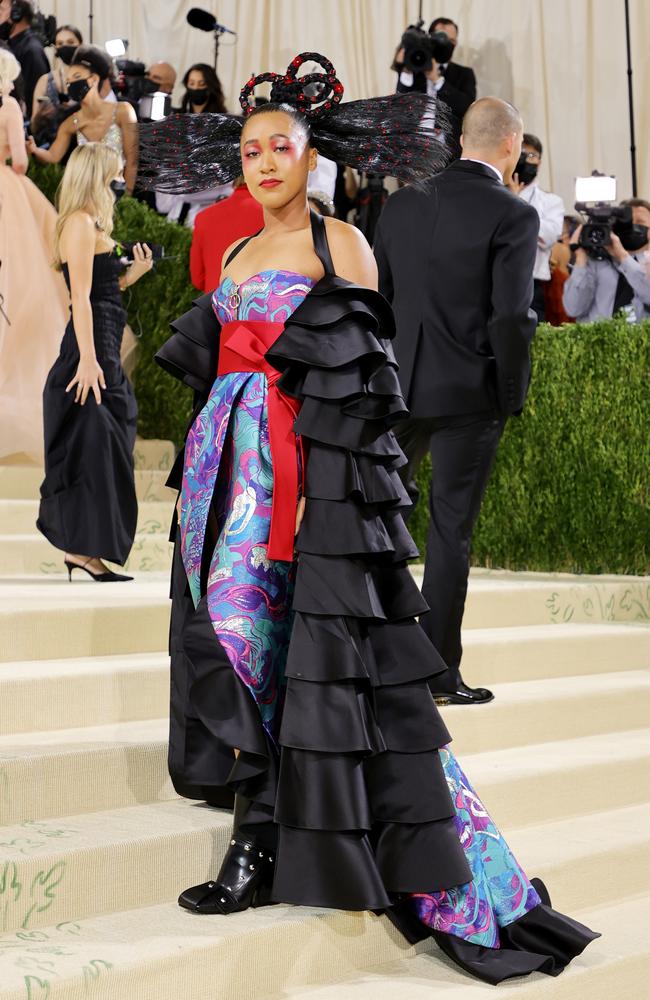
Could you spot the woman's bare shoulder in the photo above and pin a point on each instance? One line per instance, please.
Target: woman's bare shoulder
(351, 254)
(79, 225)
(10, 108)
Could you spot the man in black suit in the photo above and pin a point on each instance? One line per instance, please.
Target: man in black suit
(454, 84)
(456, 258)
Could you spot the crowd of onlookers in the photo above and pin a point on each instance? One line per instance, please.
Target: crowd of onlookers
(80, 97)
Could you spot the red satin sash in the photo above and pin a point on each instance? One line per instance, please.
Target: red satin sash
(242, 347)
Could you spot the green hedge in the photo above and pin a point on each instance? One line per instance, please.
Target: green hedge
(570, 487)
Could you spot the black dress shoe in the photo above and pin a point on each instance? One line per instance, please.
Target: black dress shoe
(244, 880)
(463, 695)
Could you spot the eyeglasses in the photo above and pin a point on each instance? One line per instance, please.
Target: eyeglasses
(530, 154)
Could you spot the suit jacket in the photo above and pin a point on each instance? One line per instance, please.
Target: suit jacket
(458, 91)
(215, 228)
(455, 258)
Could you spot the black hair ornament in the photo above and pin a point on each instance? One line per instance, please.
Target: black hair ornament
(409, 136)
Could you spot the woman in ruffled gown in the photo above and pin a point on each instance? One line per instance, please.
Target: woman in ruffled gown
(31, 326)
(300, 677)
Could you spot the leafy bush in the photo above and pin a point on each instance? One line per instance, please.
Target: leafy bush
(164, 405)
(570, 488)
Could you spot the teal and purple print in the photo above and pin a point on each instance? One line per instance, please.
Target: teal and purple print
(499, 893)
(228, 474)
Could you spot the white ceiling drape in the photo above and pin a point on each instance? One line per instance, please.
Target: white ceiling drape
(562, 62)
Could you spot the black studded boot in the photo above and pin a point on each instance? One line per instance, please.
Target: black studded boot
(244, 880)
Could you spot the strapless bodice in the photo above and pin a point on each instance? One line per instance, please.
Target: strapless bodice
(269, 296)
(107, 269)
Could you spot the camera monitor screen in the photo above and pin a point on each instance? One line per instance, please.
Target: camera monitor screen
(595, 188)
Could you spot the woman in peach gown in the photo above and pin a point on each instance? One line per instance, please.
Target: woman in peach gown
(33, 296)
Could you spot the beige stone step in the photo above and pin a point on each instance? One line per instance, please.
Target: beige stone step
(61, 772)
(46, 617)
(31, 611)
(294, 953)
(91, 691)
(18, 517)
(19, 482)
(154, 453)
(549, 781)
(498, 598)
(530, 652)
(614, 966)
(66, 771)
(24, 555)
(164, 953)
(541, 711)
(88, 864)
(88, 691)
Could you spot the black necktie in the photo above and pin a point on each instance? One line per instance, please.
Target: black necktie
(624, 293)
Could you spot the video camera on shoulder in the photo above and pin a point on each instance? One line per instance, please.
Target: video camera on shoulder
(421, 48)
(595, 198)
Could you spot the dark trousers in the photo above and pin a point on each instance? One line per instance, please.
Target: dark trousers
(462, 453)
(538, 305)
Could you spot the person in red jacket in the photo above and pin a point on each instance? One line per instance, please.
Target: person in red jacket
(216, 228)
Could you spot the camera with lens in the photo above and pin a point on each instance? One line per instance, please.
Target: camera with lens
(421, 48)
(130, 84)
(595, 198)
(134, 86)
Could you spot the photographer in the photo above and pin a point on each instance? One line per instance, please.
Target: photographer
(620, 279)
(454, 84)
(51, 102)
(16, 18)
(163, 75)
(550, 209)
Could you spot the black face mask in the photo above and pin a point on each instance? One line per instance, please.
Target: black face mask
(197, 97)
(525, 171)
(78, 90)
(149, 86)
(118, 188)
(632, 236)
(65, 53)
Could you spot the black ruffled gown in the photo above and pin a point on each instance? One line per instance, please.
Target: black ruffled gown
(88, 501)
(314, 667)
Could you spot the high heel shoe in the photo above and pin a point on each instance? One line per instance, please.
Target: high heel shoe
(107, 577)
(244, 880)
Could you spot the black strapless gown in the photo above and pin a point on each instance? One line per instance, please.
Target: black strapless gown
(88, 502)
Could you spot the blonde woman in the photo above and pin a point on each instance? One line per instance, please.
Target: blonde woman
(88, 503)
(30, 328)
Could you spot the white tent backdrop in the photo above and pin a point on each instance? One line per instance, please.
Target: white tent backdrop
(562, 62)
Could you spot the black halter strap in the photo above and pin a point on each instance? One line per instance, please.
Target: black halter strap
(319, 236)
(321, 246)
(240, 246)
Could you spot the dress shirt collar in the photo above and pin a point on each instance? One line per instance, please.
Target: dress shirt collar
(490, 166)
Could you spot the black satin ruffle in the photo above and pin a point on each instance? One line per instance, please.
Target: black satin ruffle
(360, 731)
(543, 940)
